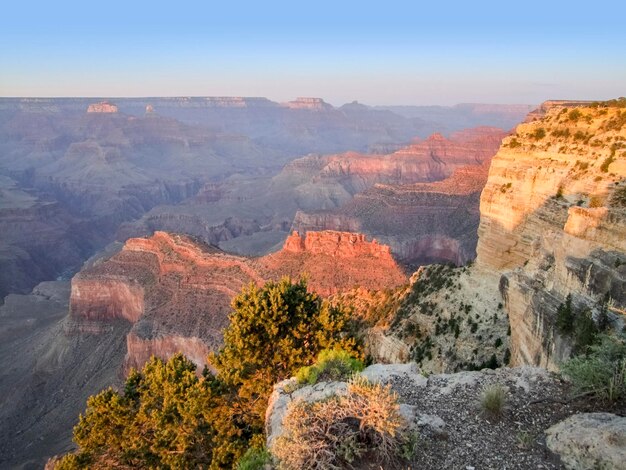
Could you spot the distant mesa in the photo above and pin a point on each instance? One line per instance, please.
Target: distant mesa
(314, 104)
(102, 107)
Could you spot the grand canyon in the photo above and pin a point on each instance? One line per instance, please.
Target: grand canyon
(455, 237)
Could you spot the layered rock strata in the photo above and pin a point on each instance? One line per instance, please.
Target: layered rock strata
(553, 223)
(176, 291)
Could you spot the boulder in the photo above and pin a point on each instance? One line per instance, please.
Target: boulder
(590, 440)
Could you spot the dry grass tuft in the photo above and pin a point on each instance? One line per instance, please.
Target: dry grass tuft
(333, 433)
(492, 400)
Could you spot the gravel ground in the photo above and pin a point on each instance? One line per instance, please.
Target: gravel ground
(472, 440)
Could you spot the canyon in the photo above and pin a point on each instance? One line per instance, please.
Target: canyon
(552, 225)
(92, 171)
(540, 209)
(382, 195)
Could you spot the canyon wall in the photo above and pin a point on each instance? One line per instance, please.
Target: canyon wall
(176, 291)
(553, 223)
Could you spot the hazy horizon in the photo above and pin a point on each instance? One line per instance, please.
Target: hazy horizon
(394, 53)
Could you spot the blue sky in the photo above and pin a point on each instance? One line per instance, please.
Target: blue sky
(386, 52)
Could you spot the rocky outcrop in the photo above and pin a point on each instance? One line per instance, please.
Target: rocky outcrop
(334, 262)
(313, 104)
(551, 225)
(590, 440)
(176, 291)
(445, 411)
(102, 107)
(549, 228)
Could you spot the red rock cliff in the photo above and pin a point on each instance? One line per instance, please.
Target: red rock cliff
(177, 291)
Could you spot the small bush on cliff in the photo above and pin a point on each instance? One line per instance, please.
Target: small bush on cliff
(336, 432)
(331, 364)
(602, 371)
(539, 133)
(254, 459)
(565, 316)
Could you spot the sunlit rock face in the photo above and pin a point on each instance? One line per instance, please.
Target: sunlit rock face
(551, 223)
(176, 291)
(102, 107)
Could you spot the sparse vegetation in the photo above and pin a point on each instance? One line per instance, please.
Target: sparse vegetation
(492, 400)
(574, 115)
(331, 364)
(514, 143)
(539, 133)
(606, 163)
(602, 370)
(561, 133)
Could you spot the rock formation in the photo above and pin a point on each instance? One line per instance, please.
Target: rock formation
(176, 292)
(313, 104)
(102, 107)
(589, 440)
(552, 223)
(445, 410)
(421, 222)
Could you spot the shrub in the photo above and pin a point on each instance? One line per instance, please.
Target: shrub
(493, 399)
(559, 193)
(565, 316)
(514, 143)
(574, 115)
(274, 331)
(524, 440)
(539, 133)
(334, 433)
(331, 364)
(161, 420)
(603, 370)
(585, 331)
(254, 459)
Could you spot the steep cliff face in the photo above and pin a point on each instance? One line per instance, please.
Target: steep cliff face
(334, 262)
(553, 223)
(176, 291)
